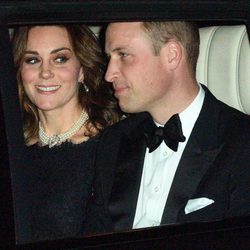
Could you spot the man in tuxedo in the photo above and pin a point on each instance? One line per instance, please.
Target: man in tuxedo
(182, 155)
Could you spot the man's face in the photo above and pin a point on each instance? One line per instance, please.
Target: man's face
(139, 77)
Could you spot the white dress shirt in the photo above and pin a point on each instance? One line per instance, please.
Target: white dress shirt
(159, 170)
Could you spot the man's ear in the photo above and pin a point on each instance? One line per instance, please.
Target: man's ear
(172, 54)
(81, 75)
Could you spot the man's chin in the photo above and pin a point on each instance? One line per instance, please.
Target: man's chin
(124, 108)
(130, 109)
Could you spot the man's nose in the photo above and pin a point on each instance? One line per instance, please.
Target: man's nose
(46, 71)
(112, 71)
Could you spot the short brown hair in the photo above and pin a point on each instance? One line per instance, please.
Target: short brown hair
(98, 102)
(184, 32)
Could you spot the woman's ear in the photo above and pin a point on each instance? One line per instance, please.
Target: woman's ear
(81, 75)
(172, 53)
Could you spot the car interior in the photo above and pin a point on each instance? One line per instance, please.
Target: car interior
(223, 66)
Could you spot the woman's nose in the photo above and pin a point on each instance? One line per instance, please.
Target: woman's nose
(46, 71)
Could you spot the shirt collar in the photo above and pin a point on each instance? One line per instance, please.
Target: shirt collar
(189, 116)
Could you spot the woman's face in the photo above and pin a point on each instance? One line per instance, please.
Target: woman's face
(50, 71)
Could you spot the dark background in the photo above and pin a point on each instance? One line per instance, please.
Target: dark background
(14, 227)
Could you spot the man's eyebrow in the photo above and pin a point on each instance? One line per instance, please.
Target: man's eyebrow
(52, 52)
(118, 49)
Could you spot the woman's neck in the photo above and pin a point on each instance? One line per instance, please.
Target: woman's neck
(60, 120)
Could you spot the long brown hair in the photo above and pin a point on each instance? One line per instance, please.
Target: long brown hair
(98, 101)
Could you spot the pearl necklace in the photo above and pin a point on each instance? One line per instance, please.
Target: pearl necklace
(56, 140)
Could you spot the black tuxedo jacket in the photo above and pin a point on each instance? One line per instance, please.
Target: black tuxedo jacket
(215, 164)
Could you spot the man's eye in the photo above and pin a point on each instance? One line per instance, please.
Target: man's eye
(61, 59)
(31, 60)
(123, 54)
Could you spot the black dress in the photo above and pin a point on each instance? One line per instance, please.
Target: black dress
(59, 184)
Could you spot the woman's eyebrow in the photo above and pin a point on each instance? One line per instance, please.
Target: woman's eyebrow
(30, 52)
(52, 52)
(59, 49)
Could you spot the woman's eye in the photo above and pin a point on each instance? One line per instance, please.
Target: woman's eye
(61, 59)
(31, 60)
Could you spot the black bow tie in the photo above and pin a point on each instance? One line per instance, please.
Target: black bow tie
(171, 133)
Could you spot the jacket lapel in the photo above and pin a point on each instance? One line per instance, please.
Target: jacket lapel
(200, 152)
(191, 169)
(127, 176)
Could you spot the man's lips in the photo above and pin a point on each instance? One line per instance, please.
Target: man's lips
(120, 90)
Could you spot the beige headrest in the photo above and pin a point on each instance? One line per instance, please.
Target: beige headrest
(224, 64)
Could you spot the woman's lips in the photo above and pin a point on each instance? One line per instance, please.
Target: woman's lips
(49, 89)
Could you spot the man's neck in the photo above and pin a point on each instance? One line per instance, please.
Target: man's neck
(177, 103)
